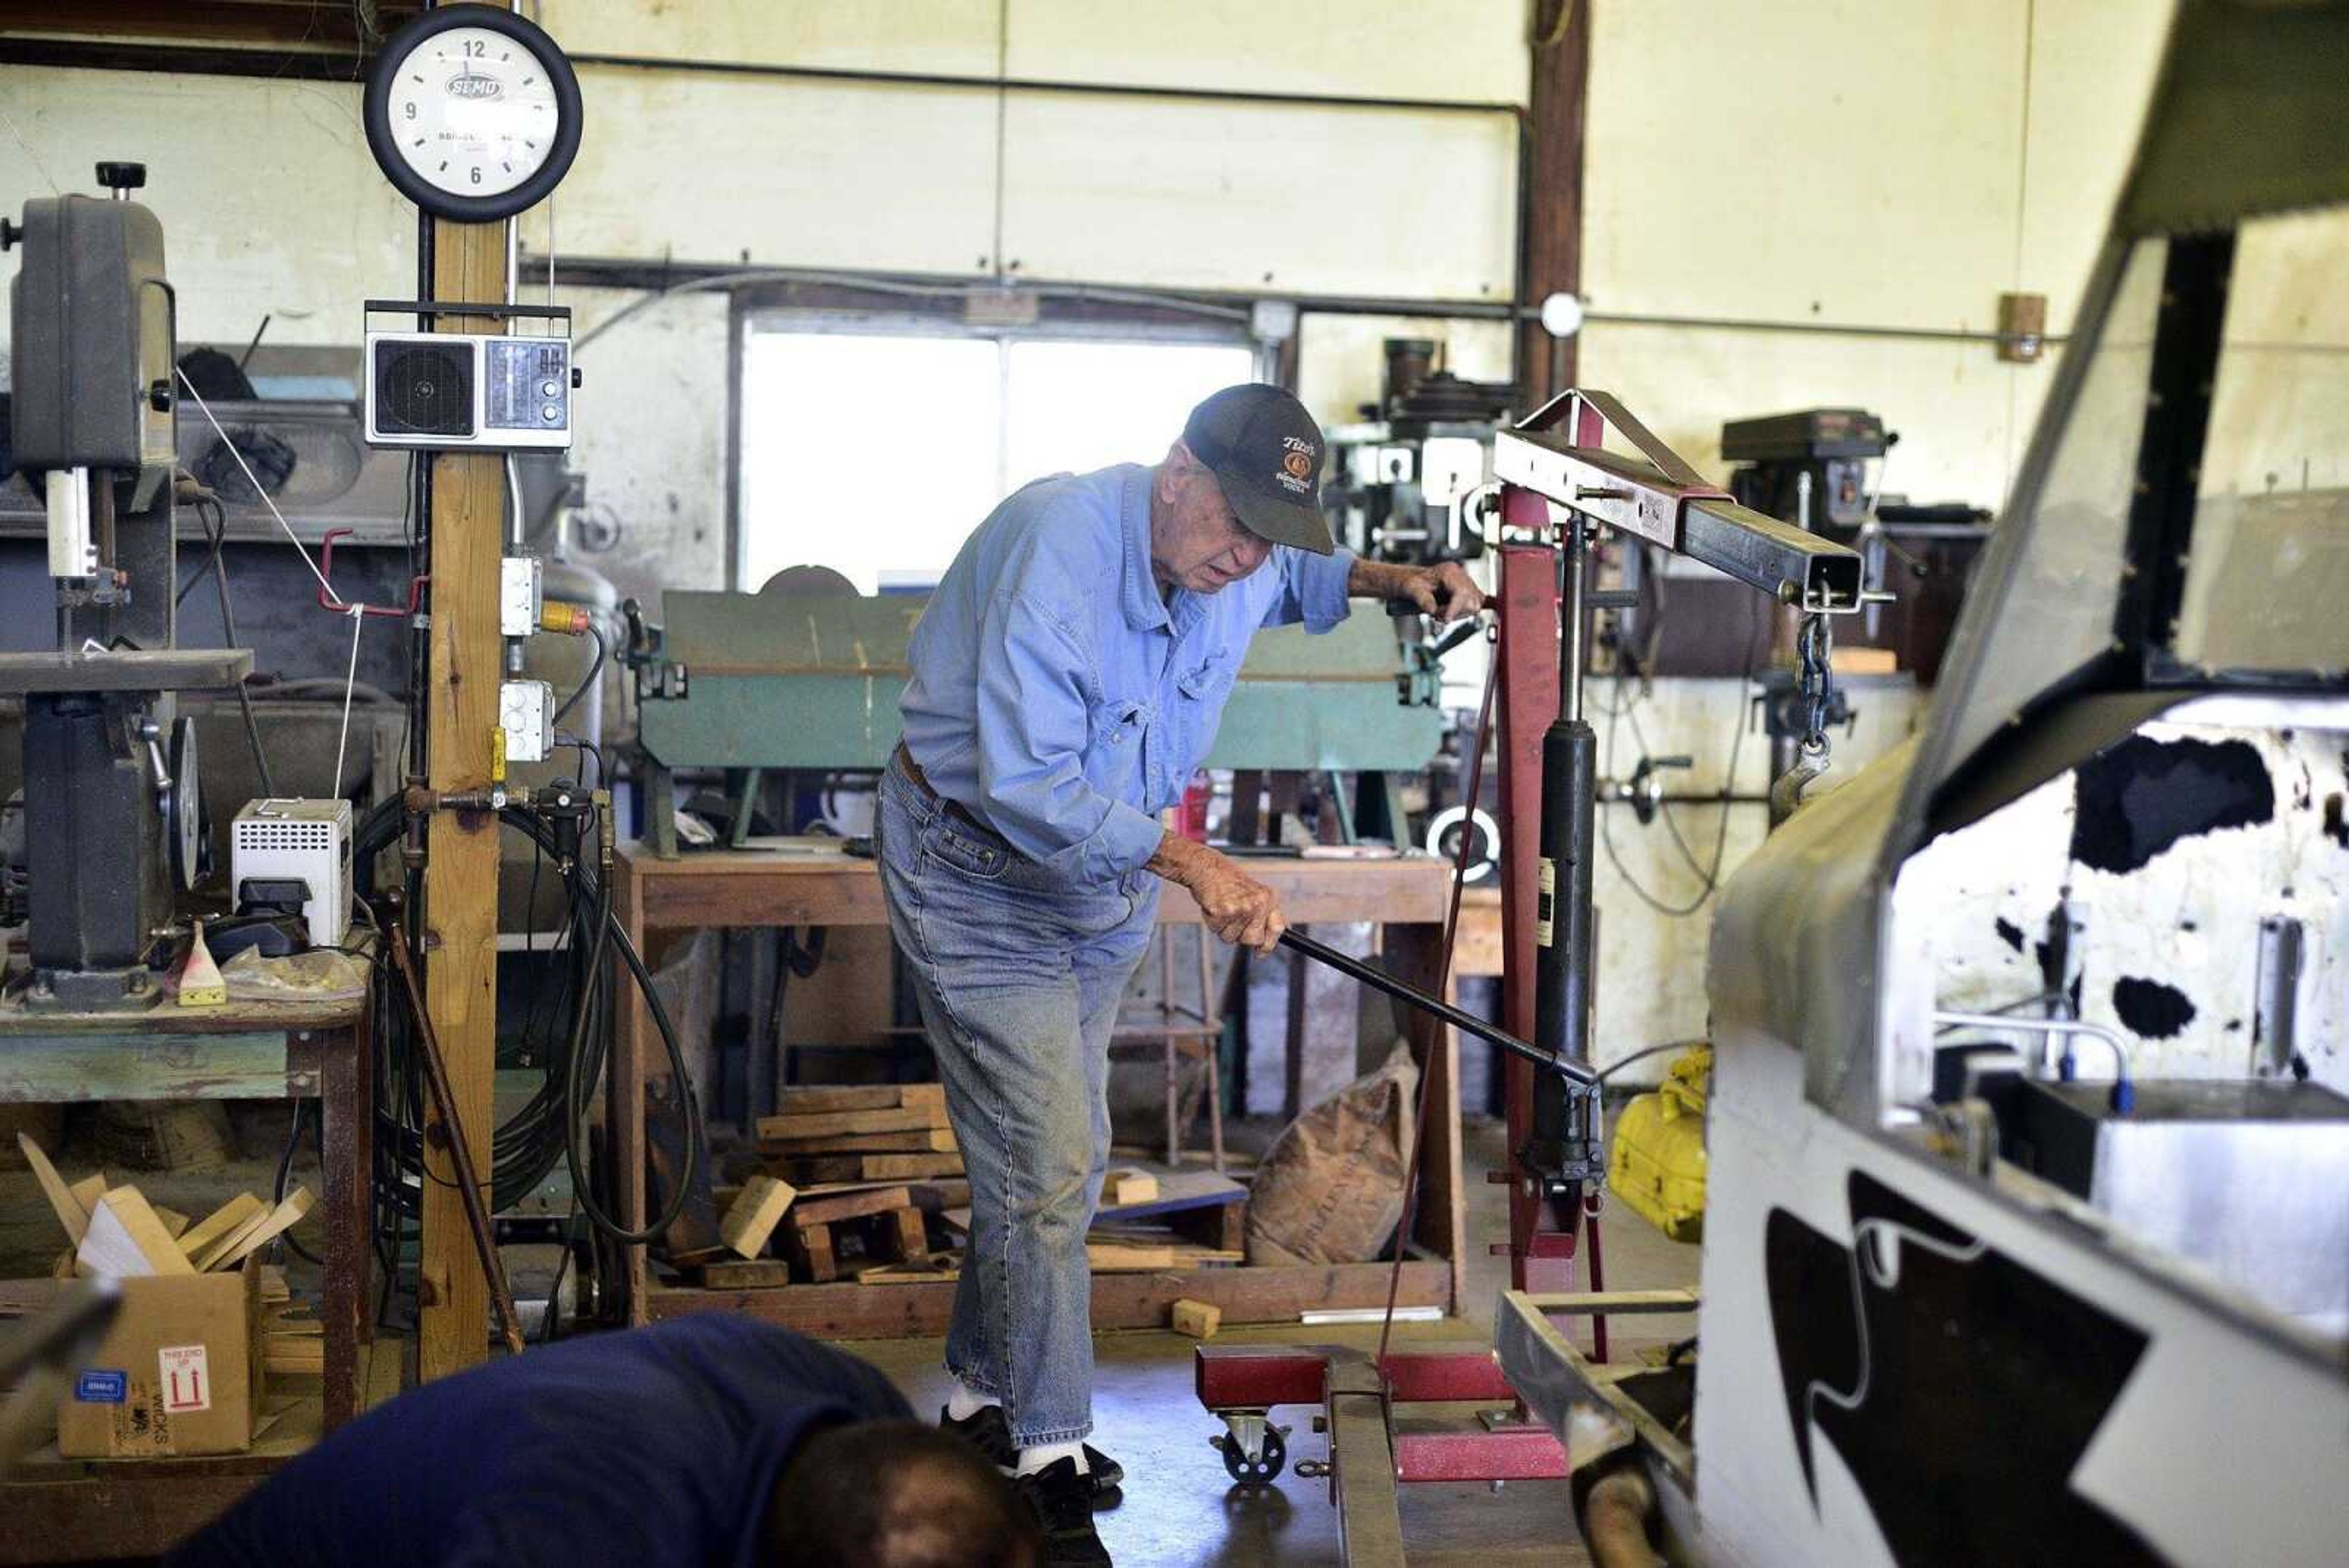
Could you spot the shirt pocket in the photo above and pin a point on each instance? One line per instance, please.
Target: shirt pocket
(1118, 729)
(1203, 691)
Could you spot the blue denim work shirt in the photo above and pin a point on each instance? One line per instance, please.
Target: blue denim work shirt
(1060, 697)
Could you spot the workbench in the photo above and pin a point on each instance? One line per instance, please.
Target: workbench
(240, 1050)
(1406, 894)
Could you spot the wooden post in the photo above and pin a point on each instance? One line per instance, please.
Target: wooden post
(460, 876)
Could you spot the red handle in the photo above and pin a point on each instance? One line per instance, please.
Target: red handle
(335, 603)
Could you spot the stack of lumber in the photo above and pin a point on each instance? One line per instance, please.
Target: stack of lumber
(888, 1132)
(114, 1232)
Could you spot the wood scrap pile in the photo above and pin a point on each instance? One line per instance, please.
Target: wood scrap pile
(888, 1132)
(114, 1232)
(867, 1184)
(776, 1233)
(848, 1180)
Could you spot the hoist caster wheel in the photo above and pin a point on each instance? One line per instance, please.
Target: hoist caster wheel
(1261, 1471)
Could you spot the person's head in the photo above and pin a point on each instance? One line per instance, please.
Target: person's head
(896, 1494)
(1244, 476)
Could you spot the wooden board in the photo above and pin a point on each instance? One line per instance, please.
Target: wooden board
(88, 1191)
(848, 1206)
(1108, 1257)
(1129, 1188)
(71, 1215)
(1178, 1190)
(920, 1309)
(816, 1170)
(931, 1197)
(1200, 1320)
(754, 1214)
(282, 1219)
(841, 1123)
(231, 1237)
(719, 889)
(76, 1067)
(293, 1352)
(236, 1212)
(932, 1140)
(742, 1273)
(943, 1266)
(125, 1239)
(464, 662)
(874, 1097)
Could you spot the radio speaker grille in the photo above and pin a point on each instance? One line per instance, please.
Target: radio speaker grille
(423, 390)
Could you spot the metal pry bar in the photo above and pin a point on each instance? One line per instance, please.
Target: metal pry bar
(1658, 496)
(1573, 1072)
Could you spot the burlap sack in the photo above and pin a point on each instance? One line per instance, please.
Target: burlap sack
(1330, 1190)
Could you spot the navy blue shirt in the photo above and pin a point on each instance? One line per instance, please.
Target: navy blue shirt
(657, 1447)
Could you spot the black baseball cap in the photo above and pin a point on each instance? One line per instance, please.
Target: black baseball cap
(1266, 452)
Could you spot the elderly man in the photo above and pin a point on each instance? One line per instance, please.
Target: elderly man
(1067, 680)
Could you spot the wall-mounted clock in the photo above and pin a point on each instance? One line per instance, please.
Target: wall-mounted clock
(472, 112)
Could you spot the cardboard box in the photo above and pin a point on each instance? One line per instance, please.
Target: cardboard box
(179, 1372)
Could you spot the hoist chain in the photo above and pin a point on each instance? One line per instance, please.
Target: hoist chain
(1814, 653)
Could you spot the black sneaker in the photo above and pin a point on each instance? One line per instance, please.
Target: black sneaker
(989, 1431)
(992, 1433)
(1063, 1501)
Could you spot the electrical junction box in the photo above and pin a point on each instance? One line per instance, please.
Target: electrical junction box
(521, 590)
(455, 392)
(307, 841)
(527, 713)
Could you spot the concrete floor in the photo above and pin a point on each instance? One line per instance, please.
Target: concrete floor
(1181, 1510)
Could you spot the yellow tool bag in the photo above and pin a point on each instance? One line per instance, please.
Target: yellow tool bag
(1658, 1163)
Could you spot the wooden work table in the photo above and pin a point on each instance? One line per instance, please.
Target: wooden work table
(243, 1050)
(1405, 894)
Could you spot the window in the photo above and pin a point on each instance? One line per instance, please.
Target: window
(877, 453)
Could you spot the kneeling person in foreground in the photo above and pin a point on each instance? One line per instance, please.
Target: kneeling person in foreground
(709, 1442)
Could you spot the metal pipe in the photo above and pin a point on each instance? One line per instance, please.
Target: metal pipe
(868, 77)
(655, 275)
(1570, 653)
(1468, 1022)
(2123, 1093)
(1817, 329)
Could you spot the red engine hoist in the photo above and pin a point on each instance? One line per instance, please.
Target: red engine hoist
(1557, 484)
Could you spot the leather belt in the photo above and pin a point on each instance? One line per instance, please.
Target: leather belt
(954, 809)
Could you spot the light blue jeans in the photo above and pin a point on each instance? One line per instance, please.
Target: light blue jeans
(1019, 978)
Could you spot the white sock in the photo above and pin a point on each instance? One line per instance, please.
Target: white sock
(964, 1401)
(1034, 1460)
